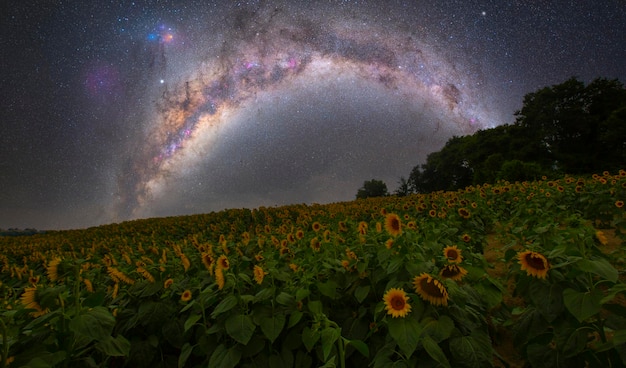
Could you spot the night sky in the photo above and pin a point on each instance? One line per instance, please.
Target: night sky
(116, 110)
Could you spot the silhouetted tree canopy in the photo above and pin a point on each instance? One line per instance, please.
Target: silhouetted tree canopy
(568, 128)
(372, 188)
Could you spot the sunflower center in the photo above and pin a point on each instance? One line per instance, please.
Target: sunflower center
(453, 254)
(431, 288)
(395, 224)
(535, 262)
(397, 303)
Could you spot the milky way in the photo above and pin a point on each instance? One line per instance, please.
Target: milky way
(121, 109)
(269, 53)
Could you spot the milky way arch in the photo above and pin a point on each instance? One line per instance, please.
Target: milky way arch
(264, 52)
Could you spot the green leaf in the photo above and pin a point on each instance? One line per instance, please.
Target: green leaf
(152, 313)
(264, 294)
(240, 327)
(302, 293)
(575, 342)
(329, 336)
(315, 306)
(114, 346)
(406, 333)
(272, 325)
(285, 299)
(144, 289)
(438, 330)
(548, 299)
(94, 300)
(294, 318)
(173, 331)
(360, 346)
(612, 292)
(395, 265)
(224, 357)
(435, 352)
(309, 337)
(191, 320)
(184, 354)
(225, 305)
(94, 323)
(491, 291)
(45, 359)
(583, 304)
(473, 351)
(328, 288)
(361, 293)
(600, 267)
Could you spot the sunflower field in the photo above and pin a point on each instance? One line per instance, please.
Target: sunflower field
(504, 275)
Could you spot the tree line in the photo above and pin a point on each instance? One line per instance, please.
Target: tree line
(568, 128)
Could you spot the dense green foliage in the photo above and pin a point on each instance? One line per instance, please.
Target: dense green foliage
(568, 128)
(372, 188)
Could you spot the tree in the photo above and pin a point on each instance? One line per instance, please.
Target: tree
(403, 188)
(570, 120)
(372, 188)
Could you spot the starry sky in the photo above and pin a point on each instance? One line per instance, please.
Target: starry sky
(117, 110)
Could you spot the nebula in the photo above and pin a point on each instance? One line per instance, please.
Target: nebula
(271, 55)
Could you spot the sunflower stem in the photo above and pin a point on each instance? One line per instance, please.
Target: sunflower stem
(5, 345)
(342, 353)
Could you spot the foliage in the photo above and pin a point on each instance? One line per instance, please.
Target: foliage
(387, 281)
(372, 188)
(566, 128)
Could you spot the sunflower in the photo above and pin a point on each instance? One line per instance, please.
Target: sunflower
(30, 301)
(389, 243)
(116, 290)
(535, 264)
(223, 263)
(88, 285)
(362, 228)
(466, 238)
(452, 254)
(315, 244)
(396, 303)
(53, 269)
(464, 212)
(185, 261)
(345, 264)
(326, 236)
(259, 274)
(343, 227)
(601, 237)
(430, 289)
(393, 225)
(168, 283)
(619, 204)
(316, 226)
(219, 278)
(186, 295)
(146, 274)
(453, 272)
(208, 261)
